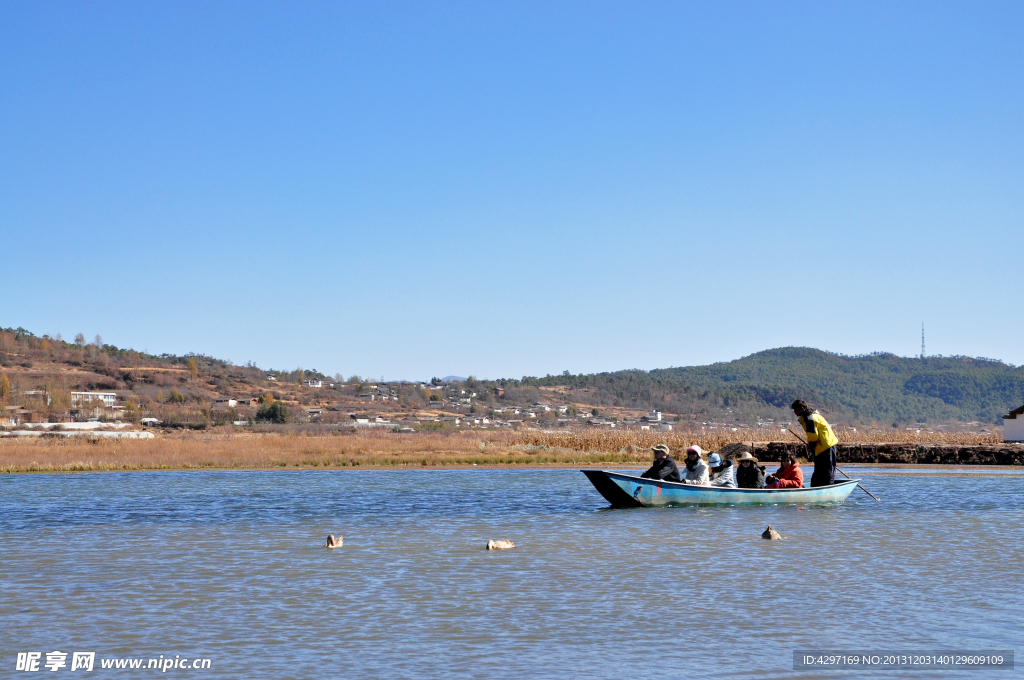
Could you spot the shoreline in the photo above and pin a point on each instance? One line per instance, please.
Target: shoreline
(376, 450)
(908, 469)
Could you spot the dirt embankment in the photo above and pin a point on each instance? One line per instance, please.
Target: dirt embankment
(924, 454)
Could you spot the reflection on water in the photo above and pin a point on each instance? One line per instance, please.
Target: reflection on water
(228, 565)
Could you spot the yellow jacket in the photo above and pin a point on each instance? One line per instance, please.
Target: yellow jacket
(818, 432)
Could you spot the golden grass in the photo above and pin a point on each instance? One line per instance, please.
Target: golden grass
(378, 448)
(592, 439)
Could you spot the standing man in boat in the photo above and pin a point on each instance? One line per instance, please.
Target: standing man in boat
(664, 467)
(821, 443)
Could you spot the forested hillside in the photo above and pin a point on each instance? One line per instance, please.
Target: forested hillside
(871, 388)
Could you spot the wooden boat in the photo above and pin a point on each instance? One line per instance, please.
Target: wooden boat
(631, 491)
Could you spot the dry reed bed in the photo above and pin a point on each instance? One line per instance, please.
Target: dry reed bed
(590, 439)
(376, 448)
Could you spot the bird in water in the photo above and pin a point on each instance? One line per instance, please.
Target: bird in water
(500, 545)
(771, 534)
(333, 542)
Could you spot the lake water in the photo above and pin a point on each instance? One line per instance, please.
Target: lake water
(229, 566)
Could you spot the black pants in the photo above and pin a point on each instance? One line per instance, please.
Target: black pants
(824, 468)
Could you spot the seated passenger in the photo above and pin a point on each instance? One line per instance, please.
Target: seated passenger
(723, 472)
(664, 467)
(749, 475)
(789, 476)
(696, 469)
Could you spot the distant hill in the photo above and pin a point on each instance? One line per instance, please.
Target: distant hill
(871, 388)
(875, 389)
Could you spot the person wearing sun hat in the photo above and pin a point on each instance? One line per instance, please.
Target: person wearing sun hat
(696, 468)
(664, 467)
(749, 475)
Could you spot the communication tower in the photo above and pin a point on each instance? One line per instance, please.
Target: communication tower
(922, 339)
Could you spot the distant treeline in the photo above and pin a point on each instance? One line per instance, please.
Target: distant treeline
(877, 387)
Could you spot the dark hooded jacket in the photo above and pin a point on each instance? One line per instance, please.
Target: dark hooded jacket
(664, 469)
(750, 477)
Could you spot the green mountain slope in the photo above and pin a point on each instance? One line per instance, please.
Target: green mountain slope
(876, 387)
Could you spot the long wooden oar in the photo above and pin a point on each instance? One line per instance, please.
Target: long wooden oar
(804, 442)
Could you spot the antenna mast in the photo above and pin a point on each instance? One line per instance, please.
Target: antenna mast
(922, 339)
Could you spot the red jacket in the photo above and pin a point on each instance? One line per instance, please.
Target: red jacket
(791, 477)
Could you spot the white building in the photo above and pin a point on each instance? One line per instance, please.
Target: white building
(83, 398)
(1013, 425)
(314, 383)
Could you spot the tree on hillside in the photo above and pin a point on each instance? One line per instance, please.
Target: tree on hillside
(6, 343)
(275, 413)
(5, 388)
(193, 370)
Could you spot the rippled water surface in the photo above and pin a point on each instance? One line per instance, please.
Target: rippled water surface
(229, 566)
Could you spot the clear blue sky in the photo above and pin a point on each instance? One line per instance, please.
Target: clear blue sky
(514, 189)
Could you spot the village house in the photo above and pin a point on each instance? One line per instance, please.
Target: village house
(224, 403)
(314, 383)
(40, 395)
(1013, 425)
(19, 414)
(83, 398)
(25, 415)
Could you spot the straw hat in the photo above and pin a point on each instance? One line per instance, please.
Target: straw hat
(660, 448)
(745, 456)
